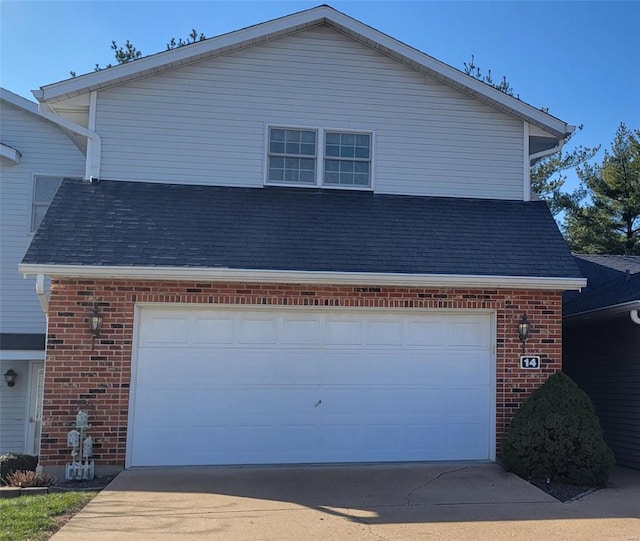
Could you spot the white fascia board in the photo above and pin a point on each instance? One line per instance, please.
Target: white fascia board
(292, 23)
(21, 355)
(19, 101)
(304, 277)
(607, 311)
(10, 154)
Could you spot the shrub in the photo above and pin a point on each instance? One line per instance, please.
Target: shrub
(11, 462)
(556, 435)
(28, 478)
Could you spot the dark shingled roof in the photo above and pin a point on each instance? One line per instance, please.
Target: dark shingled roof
(611, 280)
(149, 224)
(621, 263)
(625, 288)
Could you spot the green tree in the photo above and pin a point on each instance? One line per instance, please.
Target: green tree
(129, 52)
(547, 174)
(607, 219)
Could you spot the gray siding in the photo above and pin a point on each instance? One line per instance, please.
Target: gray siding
(603, 358)
(13, 408)
(45, 150)
(205, 123)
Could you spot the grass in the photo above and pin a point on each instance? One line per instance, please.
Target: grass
(34, 518)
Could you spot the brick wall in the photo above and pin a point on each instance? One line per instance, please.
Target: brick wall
(95, 377)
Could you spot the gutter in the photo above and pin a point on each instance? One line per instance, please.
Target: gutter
(633, 307)
(304, 277)
(9, 153)
(94, 150)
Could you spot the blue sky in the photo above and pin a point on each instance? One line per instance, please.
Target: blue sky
(579, 59)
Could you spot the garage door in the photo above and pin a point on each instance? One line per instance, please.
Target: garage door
(266, 386)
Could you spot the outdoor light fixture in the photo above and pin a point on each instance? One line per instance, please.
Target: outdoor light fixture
(95, 322)
(523, 328)
(10, 377)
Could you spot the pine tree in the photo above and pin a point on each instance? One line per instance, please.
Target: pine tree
(129, 52)
(607, 220)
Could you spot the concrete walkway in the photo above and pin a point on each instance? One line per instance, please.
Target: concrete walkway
(395, 502)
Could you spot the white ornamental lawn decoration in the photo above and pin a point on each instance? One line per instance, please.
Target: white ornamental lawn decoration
(80, 468)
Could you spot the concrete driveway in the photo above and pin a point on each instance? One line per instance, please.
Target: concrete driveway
(391, 502)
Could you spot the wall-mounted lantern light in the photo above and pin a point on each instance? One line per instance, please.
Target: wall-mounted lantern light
(95, 322)
(523, 328)
(10, 377)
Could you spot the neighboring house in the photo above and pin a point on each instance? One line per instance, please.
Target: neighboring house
(36, 155)
(308, 242)
(601, 347)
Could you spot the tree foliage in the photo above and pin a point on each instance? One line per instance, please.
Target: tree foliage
(607, 218)
(192, 38)
(475, 71)
(548, 176)
(129, 52)
(548, 173)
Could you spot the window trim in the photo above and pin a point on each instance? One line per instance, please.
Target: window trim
(320, 158)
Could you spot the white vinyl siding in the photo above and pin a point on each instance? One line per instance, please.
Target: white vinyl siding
(46, 150)
(15, 407)
(204, 123)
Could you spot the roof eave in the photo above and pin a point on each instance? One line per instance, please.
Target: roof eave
(303, 277)
(605, 311)
(19, 101)
(294, 23)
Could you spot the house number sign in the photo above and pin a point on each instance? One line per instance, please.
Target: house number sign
(530, 362)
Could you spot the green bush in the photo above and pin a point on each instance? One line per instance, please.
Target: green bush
(556, 435)
(11, 462)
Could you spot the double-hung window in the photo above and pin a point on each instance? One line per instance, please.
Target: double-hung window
(319, 157)
(292, 156)
(347, 159)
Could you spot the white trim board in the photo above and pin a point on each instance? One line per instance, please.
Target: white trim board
(305, 277)
(22, 355)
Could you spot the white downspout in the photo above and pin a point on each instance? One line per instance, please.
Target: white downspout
(42, 294)
(94, 147)
(635, 317)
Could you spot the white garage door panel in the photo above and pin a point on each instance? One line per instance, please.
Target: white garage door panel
(243, 386)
